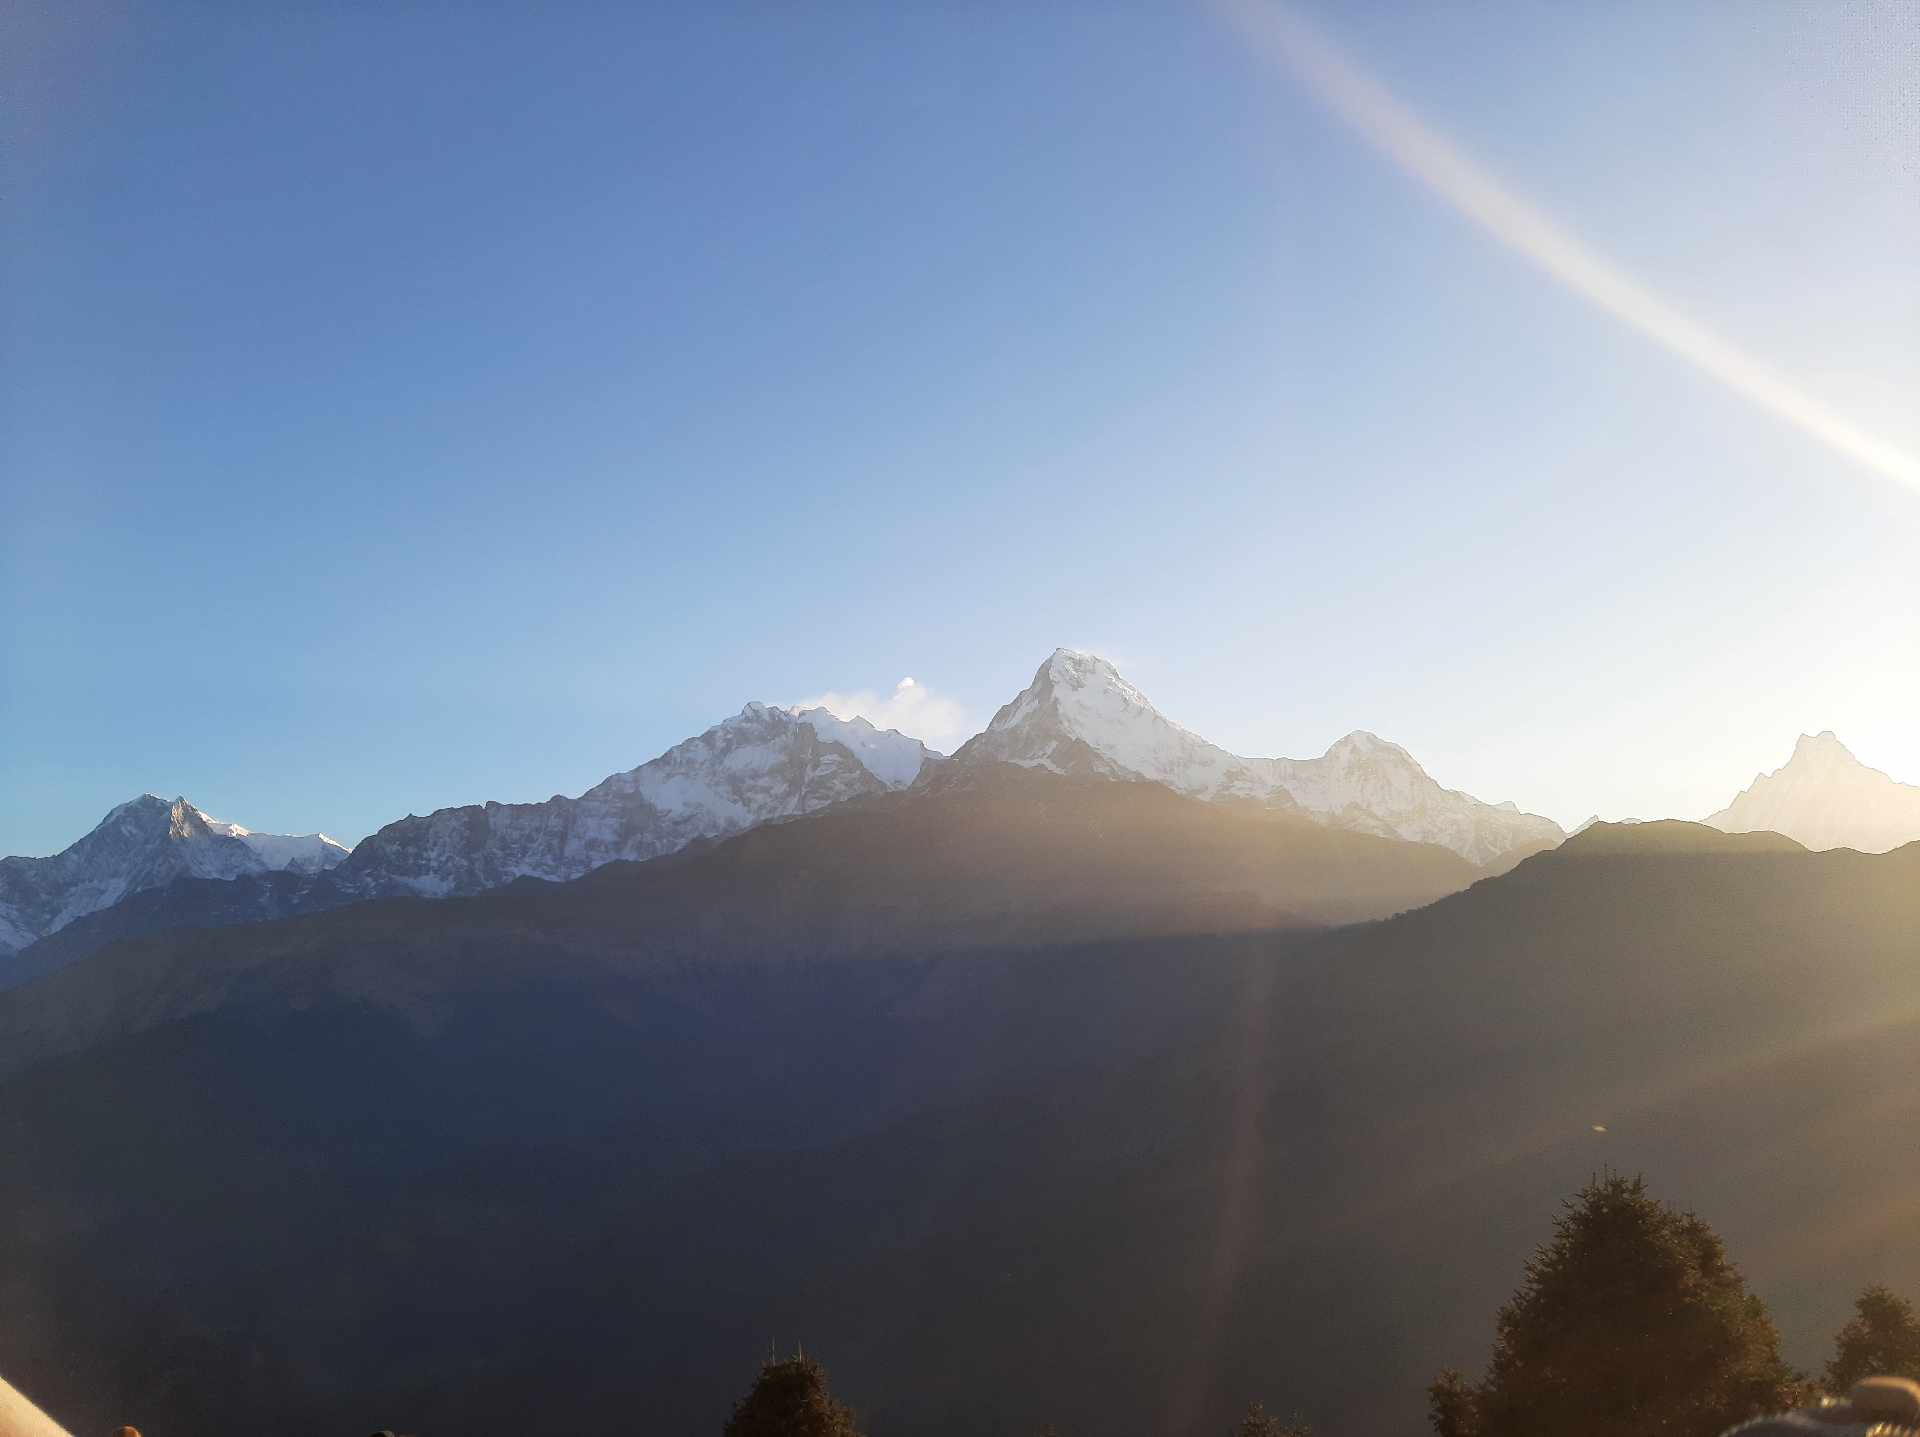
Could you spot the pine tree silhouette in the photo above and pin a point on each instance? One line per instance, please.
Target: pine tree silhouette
(1881, 1340)
(791, 1398)
(1632, 1320)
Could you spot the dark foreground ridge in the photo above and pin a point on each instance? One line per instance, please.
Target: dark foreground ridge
(985, 857)
(513, 1164)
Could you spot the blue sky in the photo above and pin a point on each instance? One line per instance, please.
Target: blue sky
(404, 406)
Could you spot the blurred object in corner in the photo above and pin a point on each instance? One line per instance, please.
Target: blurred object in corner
(20, 1418)
(1874, 1407)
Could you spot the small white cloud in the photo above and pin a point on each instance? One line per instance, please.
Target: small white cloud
(912, 707)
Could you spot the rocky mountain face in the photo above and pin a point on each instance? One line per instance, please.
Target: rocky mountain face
(144, 844)
(1824, 797)
(764, 763)
(1079, 716)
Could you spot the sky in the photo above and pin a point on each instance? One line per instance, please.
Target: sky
(409, 405)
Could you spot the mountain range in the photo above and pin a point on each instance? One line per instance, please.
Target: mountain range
(143, 844)
(1078, 717)
(152, 864)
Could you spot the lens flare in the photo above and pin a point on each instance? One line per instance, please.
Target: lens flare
(1364, 103)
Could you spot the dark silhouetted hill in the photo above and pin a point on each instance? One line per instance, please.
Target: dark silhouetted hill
(547, 1158)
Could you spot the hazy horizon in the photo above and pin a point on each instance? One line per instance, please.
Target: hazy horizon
(399, 417)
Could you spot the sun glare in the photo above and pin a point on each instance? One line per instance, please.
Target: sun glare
(1368, 106)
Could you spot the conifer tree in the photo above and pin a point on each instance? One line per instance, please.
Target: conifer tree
(1453, 1405)
(1261, 1423)
(1631, 1321)
(1881, 1340)
(791, 1399)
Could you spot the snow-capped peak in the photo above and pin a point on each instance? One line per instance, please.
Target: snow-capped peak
(1824, 797)
(1822, 748)
(1080, 716)
(763, 764)
(1075, 671)
(146, 842)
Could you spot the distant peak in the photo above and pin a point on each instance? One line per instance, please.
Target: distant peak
(1363, 744)
(1824, 742)
(1075, 670)
(1078, 663)
(1822, 751)
(155, 804)
(184, 820)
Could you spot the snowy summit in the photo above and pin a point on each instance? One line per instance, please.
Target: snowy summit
(1080, 716)
(1824, 797)
(147, 842)
(762, 764)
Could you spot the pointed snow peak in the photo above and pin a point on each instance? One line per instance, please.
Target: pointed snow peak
(146, 804)
(1823, 747)
(1080, 717)
(1824, 797)
(156, 816)
(185, 821)
(1088, 696)
(1361, 751)
(1075, 671)
(1363, 744)
(1079, 662)
(145, 843)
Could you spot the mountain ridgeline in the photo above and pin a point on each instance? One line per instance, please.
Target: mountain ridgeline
(1079, 716)
(893, 1078)
(986, 858)
(765, 764)
(761, 765)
